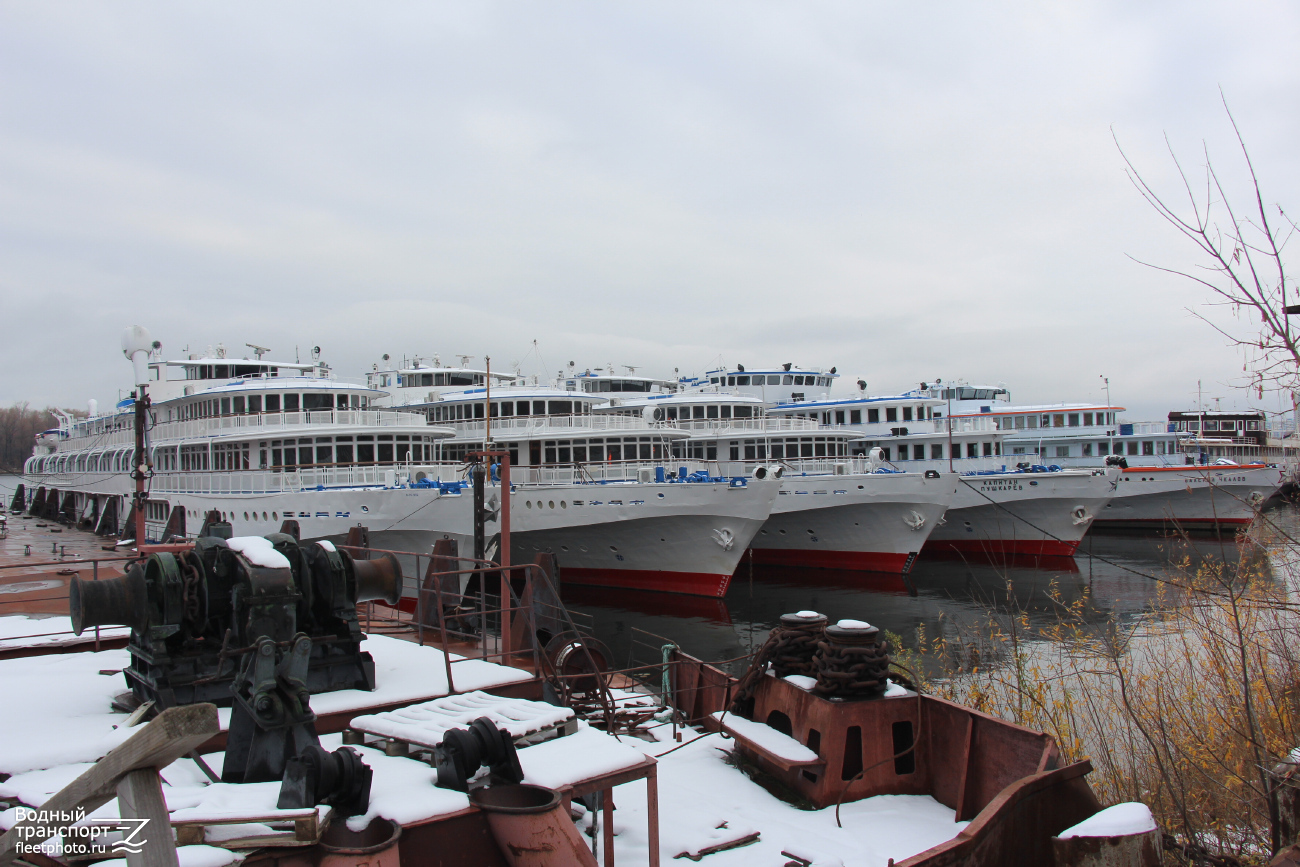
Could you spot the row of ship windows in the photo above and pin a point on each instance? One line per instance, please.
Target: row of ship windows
(1145, 448)
(903, 452)
(256, 403)
(506, 409)
(1059, 419)
(854, 416)
(772, 379)
(1212, 424)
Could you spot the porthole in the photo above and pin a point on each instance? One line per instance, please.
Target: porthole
(245, 516)
(782, 532)
(363, 508)
(275, 516)
(810, 532)
(564, 505)
(264, 516)
(564, 547)
(551, 503)
(612, 548)
(528, 503)
(582, 549)
(661, 496)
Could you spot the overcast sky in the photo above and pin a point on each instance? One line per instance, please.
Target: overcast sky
(903, 190)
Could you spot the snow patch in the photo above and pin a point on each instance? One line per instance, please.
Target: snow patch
(853, 624)
(766, 738)
(585, 753)
(327, 545)
(802, 681)
(1120, 820)
(23, 631)
(259, 552)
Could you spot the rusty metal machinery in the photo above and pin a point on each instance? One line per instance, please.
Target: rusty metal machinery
(196, 616)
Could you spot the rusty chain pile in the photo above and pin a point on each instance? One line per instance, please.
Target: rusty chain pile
(851, 661)
(789, 649)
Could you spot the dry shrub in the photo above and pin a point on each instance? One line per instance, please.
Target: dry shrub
(1185, 708)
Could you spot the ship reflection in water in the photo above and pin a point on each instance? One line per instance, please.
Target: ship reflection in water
(1113, 569)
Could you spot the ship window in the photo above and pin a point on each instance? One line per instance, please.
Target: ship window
(988, 449)
(238, 404)
(902, 451)
(711, 412)
(291, 402)
(561, 407)
(855, 416)
(907, 413)
(936, 452)
(905, 756)
(365, 451)
(1087, 450)
(273, 403)
(341, 402)
(344, 452)
(478, 410)
(1133, 447)
(742, 380)
(1074, 419)
(787, 379)
(1087, 419)
(731, 380)
(852, 753)
(317, 401)
(891, 413)
(839, 416)
(1103, 448)
(779, 721)
(1211, 425)
(386, 453)
(403, 451)
(613, 451)
(805, 448)
(873, 416)
(972, 450)
(1148, 447)
(1062, 451)
(771, 380)
(539, 407)
(1193, 425)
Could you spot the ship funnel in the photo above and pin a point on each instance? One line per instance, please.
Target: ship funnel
(380, 578)
(112, 602)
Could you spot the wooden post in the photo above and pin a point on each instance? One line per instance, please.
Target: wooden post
(139, 796)
(652, 813)
(157, 744)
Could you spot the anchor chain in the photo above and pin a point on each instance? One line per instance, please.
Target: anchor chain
(851, 662)
(789, 649)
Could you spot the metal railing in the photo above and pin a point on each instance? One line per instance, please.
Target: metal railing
(50, 569)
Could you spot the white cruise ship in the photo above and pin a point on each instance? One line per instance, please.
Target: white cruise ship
(1002, 505)
(834, 511)
(617, 499)
(1171, 476)
(260, 442)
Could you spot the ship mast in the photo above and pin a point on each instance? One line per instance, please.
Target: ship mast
(136, 346)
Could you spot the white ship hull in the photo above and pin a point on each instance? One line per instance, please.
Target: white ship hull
(877, 522)
(1036, 514)
(677, 537)
(1189, 497)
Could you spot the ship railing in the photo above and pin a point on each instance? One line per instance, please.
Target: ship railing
(773, 424)
(42, 637)
(480, 610)
(547, 424)
(201, 427)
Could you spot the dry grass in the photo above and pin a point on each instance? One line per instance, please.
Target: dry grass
(1186, 708)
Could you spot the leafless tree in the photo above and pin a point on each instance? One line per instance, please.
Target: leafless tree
(1242, 261)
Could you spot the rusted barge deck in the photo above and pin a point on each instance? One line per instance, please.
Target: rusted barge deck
(1006, 782)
